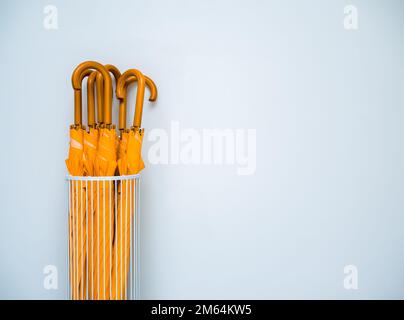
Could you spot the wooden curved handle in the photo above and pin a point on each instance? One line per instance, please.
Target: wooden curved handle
(78, 112)
(107, 98)
(99, 82)
(91, 99)
(114, 70)
(122, 95)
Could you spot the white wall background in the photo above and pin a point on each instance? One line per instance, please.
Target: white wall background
(327, 105)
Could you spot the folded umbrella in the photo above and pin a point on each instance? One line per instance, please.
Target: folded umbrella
(130, 162)
(75, 166)
(101, 229)
(91, 146)
(124, 133)
(76, 76)
(105, 165)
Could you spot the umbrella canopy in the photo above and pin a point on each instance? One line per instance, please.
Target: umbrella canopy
(74, 165)
(130, 162)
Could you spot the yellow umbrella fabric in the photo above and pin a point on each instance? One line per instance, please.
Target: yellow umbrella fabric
(74, 165)
(105, 165)
(74, 162)
(130, 162)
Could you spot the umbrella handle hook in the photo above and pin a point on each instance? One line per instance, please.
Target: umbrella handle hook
(76, 83)
(97, 79)
(121, 92)
(91, 100)
(77, 100)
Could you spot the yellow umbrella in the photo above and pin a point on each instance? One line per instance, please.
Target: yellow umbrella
(130, 162)
(99, 261)
(76, 167)
(80, 249)
(74, 162)
(91, 145)
(123, 111)
(105, 165)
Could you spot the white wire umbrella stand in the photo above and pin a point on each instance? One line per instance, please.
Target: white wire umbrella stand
(103, 233)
